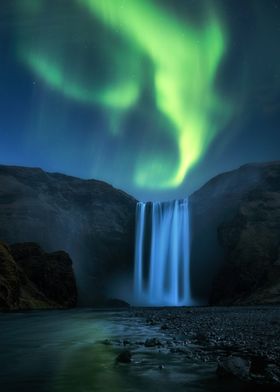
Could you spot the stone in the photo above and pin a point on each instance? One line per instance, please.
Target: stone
(235, 254)
(124, 357)
(235, 248)
(153, 342)
(91, 220)
(251, 274)
(33, 279)
(116, 303)
(107, 342)
(258, 365)
(233, 367)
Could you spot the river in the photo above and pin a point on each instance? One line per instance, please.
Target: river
(76, 350)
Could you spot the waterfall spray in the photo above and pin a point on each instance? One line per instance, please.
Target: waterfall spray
(161, 274)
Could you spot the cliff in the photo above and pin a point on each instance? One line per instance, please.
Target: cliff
(234, 227)
(33, 279)
(251, 242)
(89, 219)
(235, 222)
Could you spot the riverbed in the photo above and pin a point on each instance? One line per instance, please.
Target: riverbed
(77, 350)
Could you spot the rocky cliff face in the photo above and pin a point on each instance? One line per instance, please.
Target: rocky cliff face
(251, 243)
(91, 220)
(33, 279)
(235, 240)
(234, 226)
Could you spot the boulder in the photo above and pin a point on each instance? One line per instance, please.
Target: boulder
(233, 367)
(153, 342)
(33, 279)
(124, 357)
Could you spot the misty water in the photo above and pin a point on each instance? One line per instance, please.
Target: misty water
(162, 254)
(65, 351)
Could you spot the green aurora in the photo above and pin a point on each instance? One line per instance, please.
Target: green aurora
(184, 58)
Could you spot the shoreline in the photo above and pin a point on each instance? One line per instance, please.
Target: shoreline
(244, 341)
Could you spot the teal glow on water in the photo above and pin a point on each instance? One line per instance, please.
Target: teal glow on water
(61, 351)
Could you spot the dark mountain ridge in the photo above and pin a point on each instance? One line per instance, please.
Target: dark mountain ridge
(235, 232)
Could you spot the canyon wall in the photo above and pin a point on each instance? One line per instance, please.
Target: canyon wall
(235, 220)
(89, 219)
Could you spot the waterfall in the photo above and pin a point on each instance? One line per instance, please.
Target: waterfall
(161, 273)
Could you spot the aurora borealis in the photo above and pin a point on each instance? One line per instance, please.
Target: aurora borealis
(183, 78)
(150, 95)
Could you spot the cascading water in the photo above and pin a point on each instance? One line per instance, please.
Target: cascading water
(161, 275)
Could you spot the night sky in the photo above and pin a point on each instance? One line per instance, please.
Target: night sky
(152, 96)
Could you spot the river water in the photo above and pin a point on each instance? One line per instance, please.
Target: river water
(64, 351)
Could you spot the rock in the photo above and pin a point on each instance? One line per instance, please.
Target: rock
(107, 342)
(233, 216)
(153, 342)
(235, 221)
(240, 339)
(251, 271)
(124, 357)
(10, 279)
(273, 374)
(201, 338)
(51, 273)
(233, 367)
(234, 225)
(90, 219)
(116, 303)
(110, 303)
(33, 279)
(151, 321)
(258, 365)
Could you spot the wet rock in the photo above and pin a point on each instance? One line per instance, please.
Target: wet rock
(233, 367)
(151, 321)
(258, 365)
(243, 332)
(126, 342)
(107, 342)
(153, 342)
(273, 374)
(124, 357)
(201, 338)
(114, 303)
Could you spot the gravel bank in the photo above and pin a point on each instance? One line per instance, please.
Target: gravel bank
(243, 341)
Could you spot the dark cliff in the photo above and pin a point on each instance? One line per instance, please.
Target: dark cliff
(33, 279)
(89, 219)
(236, 236)
(251, 242)
(234, 224)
